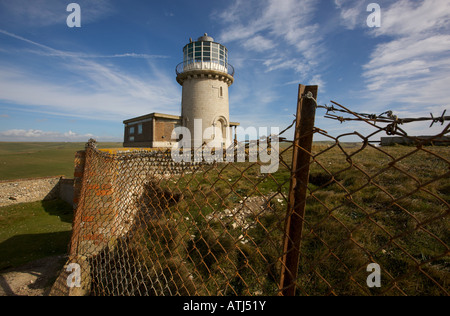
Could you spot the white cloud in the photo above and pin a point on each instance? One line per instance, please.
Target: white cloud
(280, 37)
(20, 135)
(271, 42)
(411, 65)
(318, 80)
(352, 13)
(413, 48)
(51, 52)
(282, 63)
(90, 89)
(272, 24)
(258, 43)
(41, 13)
(409, 18)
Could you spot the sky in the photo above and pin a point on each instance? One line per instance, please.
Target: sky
(59, 83)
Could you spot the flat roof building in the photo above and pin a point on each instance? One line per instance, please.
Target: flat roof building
(151, 131)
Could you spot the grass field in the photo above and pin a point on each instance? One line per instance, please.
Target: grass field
(32, 231)
(361, 207)
(32, 160)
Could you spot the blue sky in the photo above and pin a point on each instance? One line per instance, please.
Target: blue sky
(69, 84)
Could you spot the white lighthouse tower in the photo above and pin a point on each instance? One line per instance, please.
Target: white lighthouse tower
(205, 76)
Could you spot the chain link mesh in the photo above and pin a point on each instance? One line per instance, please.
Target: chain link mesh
(145, 225)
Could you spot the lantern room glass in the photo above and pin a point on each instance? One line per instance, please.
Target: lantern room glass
(205, 52)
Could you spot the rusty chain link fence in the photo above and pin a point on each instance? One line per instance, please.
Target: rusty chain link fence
(145, 225)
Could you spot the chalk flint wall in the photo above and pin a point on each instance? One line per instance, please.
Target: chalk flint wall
(107, 190)
(33, 190)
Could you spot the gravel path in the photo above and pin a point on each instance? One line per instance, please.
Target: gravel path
(32, 279)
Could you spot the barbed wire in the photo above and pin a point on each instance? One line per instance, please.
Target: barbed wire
(386, 117)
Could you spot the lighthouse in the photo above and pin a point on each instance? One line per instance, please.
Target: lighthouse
(205, 76)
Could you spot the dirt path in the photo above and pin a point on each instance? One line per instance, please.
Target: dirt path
(32, 279)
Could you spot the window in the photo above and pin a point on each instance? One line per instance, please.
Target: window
(205, 52)
(188, 53)
(206, 56)
(140, 129)
(131, 130)
(218, 90)
(131, 138)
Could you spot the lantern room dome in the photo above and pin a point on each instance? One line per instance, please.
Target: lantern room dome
(205, 38)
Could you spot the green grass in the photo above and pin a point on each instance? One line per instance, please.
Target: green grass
(32, 160)
(397, 216)
(31, 231)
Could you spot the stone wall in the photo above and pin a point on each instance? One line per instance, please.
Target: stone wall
(66, 190)
(108, 186)
(107, 189)
(38, 189)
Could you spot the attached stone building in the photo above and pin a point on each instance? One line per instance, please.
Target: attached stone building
(151, 131)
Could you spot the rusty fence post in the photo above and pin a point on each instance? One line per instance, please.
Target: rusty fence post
(301, 159)
(80, 163)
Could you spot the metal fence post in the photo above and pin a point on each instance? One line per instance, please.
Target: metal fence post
(301, 158)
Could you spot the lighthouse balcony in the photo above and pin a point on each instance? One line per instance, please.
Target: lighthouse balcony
(205, 65)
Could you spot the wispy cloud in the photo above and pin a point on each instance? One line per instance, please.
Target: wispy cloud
(23, 39)
(352, 13)
(258, 43)
(274, 41)
(411, 65)
(51, 52)
(42, 13)
(103, 90)
(271, 23)
(20, 135)
(408, 17)
(94, 56)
